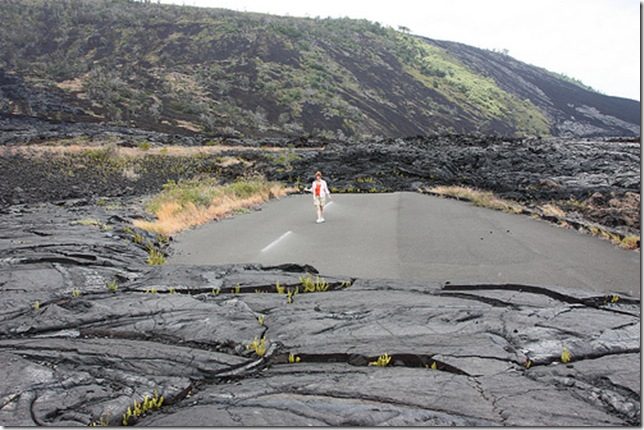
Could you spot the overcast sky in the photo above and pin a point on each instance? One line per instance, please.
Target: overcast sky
(596, 41)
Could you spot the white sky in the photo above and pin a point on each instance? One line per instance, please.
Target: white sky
(596, 41)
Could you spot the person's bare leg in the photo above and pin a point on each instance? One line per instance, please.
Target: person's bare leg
(319, 210)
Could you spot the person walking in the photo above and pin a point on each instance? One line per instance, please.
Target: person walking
(320, 192)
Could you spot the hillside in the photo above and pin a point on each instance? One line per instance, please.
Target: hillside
(193, 70)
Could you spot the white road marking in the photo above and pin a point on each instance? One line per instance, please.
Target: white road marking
(328, 204)
(273, 243)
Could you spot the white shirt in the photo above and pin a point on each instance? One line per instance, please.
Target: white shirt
(324, 190)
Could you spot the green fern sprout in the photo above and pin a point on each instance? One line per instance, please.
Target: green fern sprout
(76, 293)
(36, 305)
(310, 285)
(172, 290)
(261, 319)
(290, 295)
(382, 361)
(321, 285)
(112, 286)
(345, 284)
(293, 358)
(258, 345)
(565, 355)
(140, 408)
(279, 288)
(614, 298)
(215, 291)
(307, 284)
(237, 289)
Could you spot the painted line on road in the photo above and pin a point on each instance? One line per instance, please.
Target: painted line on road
(328, 204)
(273, 243)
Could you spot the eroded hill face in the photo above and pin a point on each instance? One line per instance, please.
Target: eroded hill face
(193, 70)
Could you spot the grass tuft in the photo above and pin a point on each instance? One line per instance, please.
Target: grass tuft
(550, 209)
(155, 257)
(480, 198)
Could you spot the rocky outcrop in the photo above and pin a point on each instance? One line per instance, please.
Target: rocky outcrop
(88, 331)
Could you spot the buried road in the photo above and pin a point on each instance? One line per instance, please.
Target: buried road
(414, 237)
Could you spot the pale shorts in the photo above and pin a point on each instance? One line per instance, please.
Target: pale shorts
(319, 201)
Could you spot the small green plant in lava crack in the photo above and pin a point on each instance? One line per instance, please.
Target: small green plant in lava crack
(279, 289)
(433, 366)
(614, 298)
(36, 305)
(215, 291)
(528, 363)
(382, 361)
(76, 293)
(155, 257)
(261, 319)
(258, 345)
(290, 295)
(292, 358)
(172, 290)
(566, 356)
(345, 284)
(112, 286)
(311, 285)
(140, 408)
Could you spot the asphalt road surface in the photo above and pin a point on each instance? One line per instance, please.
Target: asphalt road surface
(414, 237)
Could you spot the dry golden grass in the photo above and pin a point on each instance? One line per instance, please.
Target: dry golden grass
(187, 205)
(550, 209)
(62, 147)
(189, 125)
(626, 242)
(477, 197)
(630, 242)
(75, 85)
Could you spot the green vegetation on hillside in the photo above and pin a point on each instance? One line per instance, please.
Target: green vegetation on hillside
(478, 95)
(227, 73)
